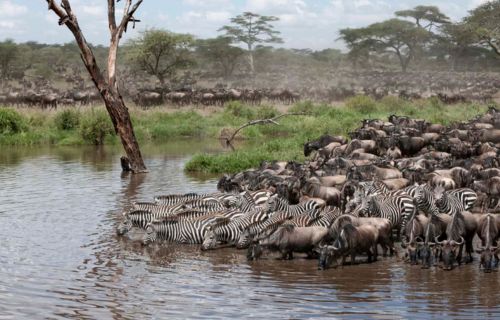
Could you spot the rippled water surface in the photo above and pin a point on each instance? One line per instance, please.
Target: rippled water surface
(59, 256)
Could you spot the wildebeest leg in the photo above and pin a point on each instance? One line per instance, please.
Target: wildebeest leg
(369, 254)
(343, 259)
(375, 252)
(469, 249)
(460, 253)
(353, 257)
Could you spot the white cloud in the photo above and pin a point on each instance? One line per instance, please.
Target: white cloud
(10, 9)
(7, 24)
(93, 10)
(218, 16)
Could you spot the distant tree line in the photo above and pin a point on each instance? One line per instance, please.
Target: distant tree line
(419, 38)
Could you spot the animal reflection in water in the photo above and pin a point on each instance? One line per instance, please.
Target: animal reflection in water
(434, 188)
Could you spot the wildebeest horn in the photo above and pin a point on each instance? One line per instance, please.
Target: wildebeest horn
(458, 243)
(437, 241)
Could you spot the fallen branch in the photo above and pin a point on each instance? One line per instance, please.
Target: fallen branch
(263, 121)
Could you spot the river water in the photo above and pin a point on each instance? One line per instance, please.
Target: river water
(60, 258)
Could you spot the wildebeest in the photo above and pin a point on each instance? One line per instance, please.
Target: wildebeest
(351, 241)
(288, 239)
(488, 231)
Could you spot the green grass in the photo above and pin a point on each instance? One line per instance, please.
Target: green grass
(87, 126)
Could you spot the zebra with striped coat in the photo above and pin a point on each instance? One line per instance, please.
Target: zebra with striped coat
(182, 231)
(310, 207)
(453, 201)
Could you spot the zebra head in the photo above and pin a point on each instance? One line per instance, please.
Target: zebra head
(209, 240)
(124, 227)
(244, 239)
(272, 204)
(150, 235)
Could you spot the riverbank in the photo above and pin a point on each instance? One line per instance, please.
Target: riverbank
(92, 126)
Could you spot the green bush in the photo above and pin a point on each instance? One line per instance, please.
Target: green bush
(95, 126)
(67, 120)
(266, 112)
(11, 121)
(237, 109)
(361, 104)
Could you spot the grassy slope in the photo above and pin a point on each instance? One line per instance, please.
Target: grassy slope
(268, 142)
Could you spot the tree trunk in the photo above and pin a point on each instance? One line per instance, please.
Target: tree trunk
(250, 59)
(123, 127)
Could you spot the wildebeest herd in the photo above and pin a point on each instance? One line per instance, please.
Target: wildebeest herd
(433, 187)
(449, 87)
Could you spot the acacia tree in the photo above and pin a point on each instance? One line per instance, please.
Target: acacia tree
(220, 52)
(107, 85)
(484, 23)
(161, 53)
(251, 29)
(456, 39)
(431, 14)
(394, 35)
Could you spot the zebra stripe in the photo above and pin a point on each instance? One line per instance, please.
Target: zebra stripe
(456, 201)
(183, 231)
(424, 198)
(173, 199)
(310, 207)
(396, 208)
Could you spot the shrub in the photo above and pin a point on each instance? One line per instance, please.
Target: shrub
(67, 120)
(95, 126)
(266, 112)
(362, 104)
(11, 121)
(237, 109)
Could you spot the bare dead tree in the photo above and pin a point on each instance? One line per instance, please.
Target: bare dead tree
(108, 87)
(263, 121)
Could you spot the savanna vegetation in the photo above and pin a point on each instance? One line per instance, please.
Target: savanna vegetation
(91, 126)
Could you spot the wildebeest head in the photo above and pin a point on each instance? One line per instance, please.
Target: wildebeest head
(449, 250)
(489, 258)
(412, 249)
(254, 252)
(425, 253)
(327, 255)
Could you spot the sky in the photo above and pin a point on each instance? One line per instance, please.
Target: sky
(303, 23)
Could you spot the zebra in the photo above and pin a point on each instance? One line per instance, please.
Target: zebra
(182, 231)
(260, 197)
(230, 232)
(245, 202)
(310, 207)
(424, 198)
(208, 204)
(173, 199)
(373, 188)
(328, 216)
(398, 209)
(137, 218)
(157, 208)
(453, 201)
